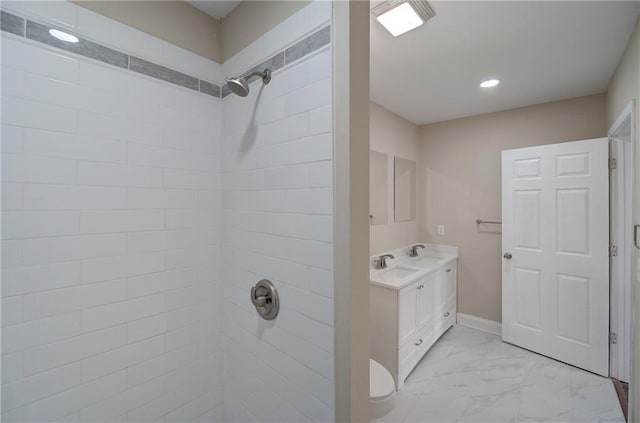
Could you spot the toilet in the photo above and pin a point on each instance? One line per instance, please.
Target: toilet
(382, 390)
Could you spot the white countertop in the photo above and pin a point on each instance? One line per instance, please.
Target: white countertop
(404, 270)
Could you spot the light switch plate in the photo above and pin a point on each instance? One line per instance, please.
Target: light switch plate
(440, 229)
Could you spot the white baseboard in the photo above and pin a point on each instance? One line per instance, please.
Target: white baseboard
(479, 323)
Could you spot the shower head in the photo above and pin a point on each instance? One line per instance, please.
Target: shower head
(239, 86)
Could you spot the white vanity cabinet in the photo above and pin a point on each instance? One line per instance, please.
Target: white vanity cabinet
(407, 321)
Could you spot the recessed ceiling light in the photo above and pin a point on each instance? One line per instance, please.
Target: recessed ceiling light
(489, 83)
(400, 16)
(63, 36)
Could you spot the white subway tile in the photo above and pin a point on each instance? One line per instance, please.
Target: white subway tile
(11, 367)
(188, 179)
(139, 131)
(29, 334)
(50, 250)
(321, 228)
(55, 144)
(11, 311)
(150, 412)
(98, 125)
(180, 219)
(11, 196)
(142, 198)
(32, 114)
(11, 254)
(122, 312)
(147, 327)
(148, 284)
(56, 354)
(29, 224)
(121, 221)
(65, 402)
(100, 75)
(49, 90)
(101, 101)
(12, 82)
(19, 168)
(41, 385)
(92, 173)
(114, 409)
(143, 177)
(321, 120)
(121, 358)
(142, 242)
(72, 197)
(12, 139)
(24, 280)
(49, 303)
(122, 266)
(33, 58)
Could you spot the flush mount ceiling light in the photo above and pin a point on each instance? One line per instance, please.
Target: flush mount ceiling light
(400, 16)
(63, 36)
(490, 83)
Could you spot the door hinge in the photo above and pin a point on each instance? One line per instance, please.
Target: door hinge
(613, 164)
(613, 251)
(613, 338)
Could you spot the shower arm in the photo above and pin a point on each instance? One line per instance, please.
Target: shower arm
(265, 75)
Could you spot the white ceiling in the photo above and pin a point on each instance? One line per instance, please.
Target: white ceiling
(215, 8)
(542, 51)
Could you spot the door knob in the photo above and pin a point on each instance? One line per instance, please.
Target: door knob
(507, 256)
(264, 297)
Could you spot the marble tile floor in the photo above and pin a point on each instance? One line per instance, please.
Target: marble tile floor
(472, 376)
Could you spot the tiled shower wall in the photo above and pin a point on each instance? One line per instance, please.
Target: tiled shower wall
(112, 240)
(111, 305)
(277, 224)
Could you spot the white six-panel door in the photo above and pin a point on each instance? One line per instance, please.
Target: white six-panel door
(555, 286)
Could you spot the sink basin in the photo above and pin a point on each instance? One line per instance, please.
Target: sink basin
(399, 272)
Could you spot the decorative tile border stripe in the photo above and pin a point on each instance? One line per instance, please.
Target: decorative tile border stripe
(37, 32)
(163, 73)
(11, 23)
(307, 45)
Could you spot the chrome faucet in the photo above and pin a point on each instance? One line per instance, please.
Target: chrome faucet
(413, 250)
(381, 262)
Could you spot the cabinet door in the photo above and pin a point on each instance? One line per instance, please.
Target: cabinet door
(450, 281)
(425, 299)
(440, 294)
(407, 313)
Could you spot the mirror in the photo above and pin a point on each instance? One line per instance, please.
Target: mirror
(405, 190)
(378, 188)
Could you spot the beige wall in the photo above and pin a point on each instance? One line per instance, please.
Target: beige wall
(460, 179)
(350, 31)
(174, 21)
(394, 136)
(625, 86)
(252, 19)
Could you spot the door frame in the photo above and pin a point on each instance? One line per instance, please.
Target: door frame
(621, 236)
